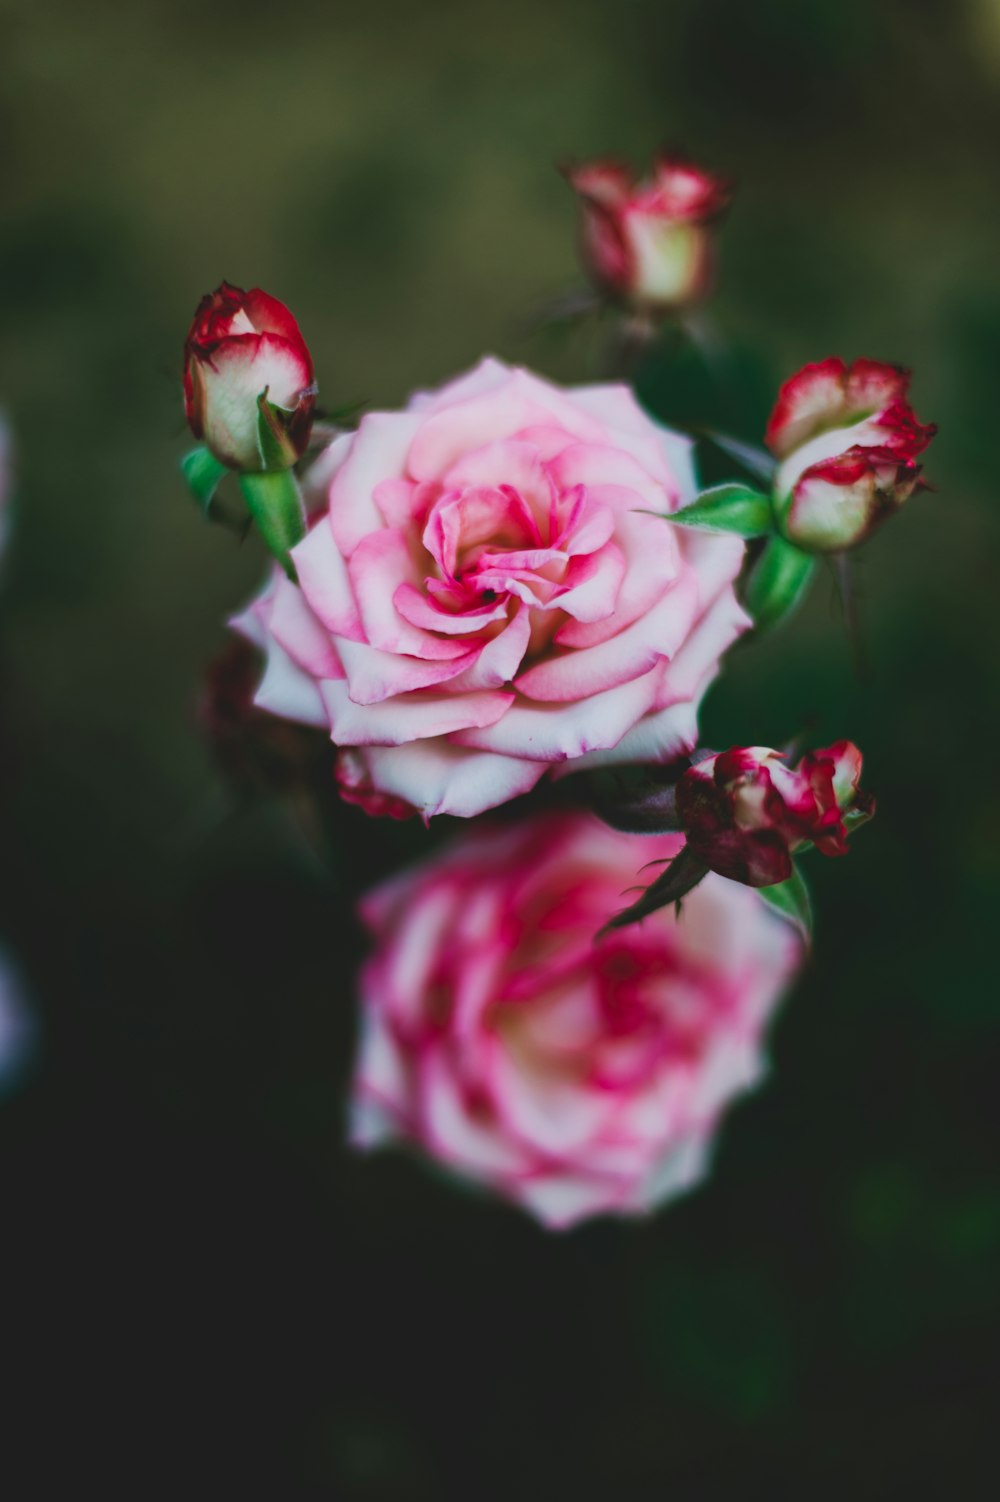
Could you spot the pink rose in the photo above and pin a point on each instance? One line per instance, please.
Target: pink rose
(848, 440)
(575, 1078)
(243, 346)
(485, 598)
(649, 243)
(746, 811)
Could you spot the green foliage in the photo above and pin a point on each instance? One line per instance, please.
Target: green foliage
(777, 583)
(728, 508)
(203, 473)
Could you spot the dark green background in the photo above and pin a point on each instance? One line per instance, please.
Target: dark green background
(212, 1296)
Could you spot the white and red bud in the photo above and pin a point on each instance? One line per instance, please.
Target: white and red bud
(745, 812)
(847, 440)
(649, 243)
(243, 347)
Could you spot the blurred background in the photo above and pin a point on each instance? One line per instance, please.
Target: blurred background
(212, 1296)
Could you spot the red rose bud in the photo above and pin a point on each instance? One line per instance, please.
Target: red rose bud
(242, 347)
(649, 243)
(745, 811)
(848, 440)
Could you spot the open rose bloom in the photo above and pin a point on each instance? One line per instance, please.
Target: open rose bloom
(848, 441)
(571, 1077)
(484, 597)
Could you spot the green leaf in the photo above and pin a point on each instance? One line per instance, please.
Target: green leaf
(729, 508)
(202, 471)
(778, 582)
(791, 899)
(276, 451)
(275, 503)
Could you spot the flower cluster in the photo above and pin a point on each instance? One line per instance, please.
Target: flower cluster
(509, 583)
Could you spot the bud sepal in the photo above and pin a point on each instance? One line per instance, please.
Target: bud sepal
(778, 582)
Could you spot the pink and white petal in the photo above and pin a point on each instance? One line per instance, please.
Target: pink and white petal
(452, 1134)
(592, 464)
(520, 402)
(415, 607)
(561, 732)
(251, 621)
(373, 676)
(826, 446)
(506, 461)
(561, 1199)
(397, 503)
(415, 716)
(378, 452)
(499, 659)
(664, 454)
(660, 736)
(594, 527)
(489, 374)
(715, 558)
(381, 1089)
(378, 565)
(652, 563)
(578, 673)
(685, 676)
(324, 581)
(319, 476)
(592, 584)
(287, 691)
(294, 627)
(805, 402)
(438, 778)
(551, 1113)
(682, 1168)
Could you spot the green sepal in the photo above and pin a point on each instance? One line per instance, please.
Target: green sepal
(791, 899)
(275, 503)
(778, 582)
(276, 449)
(728, 508)
(202, 471)
(855, 817)
(681, 876)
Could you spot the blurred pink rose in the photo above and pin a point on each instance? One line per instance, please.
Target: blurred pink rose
(484, 597)
(649, 243)
(575, 1078)
(848, 442)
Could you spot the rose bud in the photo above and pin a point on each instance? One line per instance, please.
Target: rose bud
(649, 243)
(745, 811)
(571, 1077)
(848, 441)
(242, 347)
